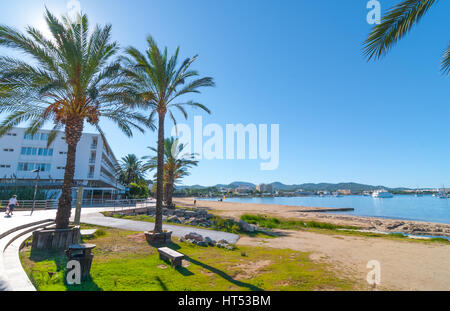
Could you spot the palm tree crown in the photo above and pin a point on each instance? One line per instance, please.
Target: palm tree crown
(395, 25)
(159, 83)
(176, 164)
(71, 80)
(131, 169)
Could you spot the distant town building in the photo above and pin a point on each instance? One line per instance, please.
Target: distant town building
(301, 192)
(242, 190)
(21, 153)
(344, 192)
(265, 188)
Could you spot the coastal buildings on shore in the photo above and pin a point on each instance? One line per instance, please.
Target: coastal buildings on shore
(265, 188)
(22, 154)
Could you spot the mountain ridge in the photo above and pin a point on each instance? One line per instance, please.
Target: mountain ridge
(305, 186)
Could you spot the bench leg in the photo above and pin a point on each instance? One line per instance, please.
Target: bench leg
(177, 262)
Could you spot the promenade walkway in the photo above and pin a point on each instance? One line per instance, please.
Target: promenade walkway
(12, 276)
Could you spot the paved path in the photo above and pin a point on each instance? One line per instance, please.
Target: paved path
(94, 217)
(178, 231)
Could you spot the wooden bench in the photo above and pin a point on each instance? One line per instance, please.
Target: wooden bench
(174, 257)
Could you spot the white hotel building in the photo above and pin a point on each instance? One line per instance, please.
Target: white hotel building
(22, 153)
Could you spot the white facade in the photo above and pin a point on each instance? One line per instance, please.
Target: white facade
(265, 188)
(22, 153)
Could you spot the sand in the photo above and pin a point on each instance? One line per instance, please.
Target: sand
(235, 210)
(405, 265)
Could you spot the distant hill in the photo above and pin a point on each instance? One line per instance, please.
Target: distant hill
(307, 186)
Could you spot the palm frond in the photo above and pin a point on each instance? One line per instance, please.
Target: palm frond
(395, 25)
(445, 63)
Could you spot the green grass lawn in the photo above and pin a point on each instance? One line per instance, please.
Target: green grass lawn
(124, 261)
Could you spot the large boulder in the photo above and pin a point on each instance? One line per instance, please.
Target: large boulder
(194, 236)
(245, 226)
(190, 214)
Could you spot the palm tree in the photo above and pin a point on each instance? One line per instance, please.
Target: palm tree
(176, 165)
(70, 81)
(395, 25)
(160, 84)
(131, 169)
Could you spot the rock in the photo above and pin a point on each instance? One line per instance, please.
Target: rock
(245, 226)
(194, 236)
(189, 213)
(173, 219)
(179, 212)
(210, 241)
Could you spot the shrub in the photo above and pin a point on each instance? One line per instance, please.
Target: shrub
(139, 190)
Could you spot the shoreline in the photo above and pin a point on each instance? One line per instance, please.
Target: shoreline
(322, 214)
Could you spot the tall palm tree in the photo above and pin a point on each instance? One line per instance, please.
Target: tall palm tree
(395, 25)
(131, 169)
(160, 84)
(176, 165)
(71, 80)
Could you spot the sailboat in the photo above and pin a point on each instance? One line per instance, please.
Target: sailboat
(442, 194)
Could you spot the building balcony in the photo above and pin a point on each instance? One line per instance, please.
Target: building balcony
(90, 175)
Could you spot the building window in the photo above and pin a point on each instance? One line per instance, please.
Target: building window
(61, 168)
(28, 151)
(32, 136)
(5, 166)
(8, 150)
(63, 152)
(11, 134)
(45, 152)
(44, 136)
(28, 167)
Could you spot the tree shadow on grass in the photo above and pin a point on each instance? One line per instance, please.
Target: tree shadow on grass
(162, 284)
(60, 260)
(170, 245)
(223, 275)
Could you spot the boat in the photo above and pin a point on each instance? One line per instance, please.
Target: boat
(442, 194)
(382, 194)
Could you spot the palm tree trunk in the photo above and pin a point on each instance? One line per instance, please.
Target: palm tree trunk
(160, 176)
(74, 130)
(169, 191)
(165, 193)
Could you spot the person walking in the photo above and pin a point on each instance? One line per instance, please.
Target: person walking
(11, 205)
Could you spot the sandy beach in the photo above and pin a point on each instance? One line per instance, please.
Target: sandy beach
(235, 210)
(406, 265)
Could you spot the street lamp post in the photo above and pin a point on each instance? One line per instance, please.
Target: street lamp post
(35, 189)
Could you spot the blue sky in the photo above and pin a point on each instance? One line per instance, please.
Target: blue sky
(298, 64)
